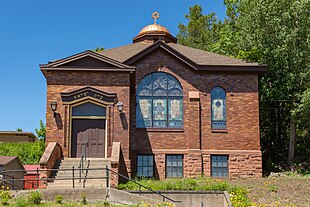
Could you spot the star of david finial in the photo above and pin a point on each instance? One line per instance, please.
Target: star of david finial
(155, 16)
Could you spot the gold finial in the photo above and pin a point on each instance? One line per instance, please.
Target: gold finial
(155, 16)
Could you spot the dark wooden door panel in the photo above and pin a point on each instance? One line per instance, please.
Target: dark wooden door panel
(90, 131)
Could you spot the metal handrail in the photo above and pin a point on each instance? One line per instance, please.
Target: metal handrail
(4, 181)
(37, 179)
(73, 178)
(140, 185)
(83, 157)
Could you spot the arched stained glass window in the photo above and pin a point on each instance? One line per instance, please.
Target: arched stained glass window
(218, 105)
(159, 102)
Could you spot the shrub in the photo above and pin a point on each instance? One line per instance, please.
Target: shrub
(21, 202)
(106, 203)
(59, 199)
(5, 197)
(35, 197)
(28, 152)
(238, 197)
(200, 183)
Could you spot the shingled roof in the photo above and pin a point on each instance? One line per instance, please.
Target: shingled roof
(6, 159)
(124, 52)
(200, 57)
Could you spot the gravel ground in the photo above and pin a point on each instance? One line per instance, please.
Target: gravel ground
(278, 191)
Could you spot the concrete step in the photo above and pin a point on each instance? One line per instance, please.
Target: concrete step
(92, 175)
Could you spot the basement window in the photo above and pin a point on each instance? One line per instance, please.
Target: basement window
(174, 166)
(145, 166)
(219, 165)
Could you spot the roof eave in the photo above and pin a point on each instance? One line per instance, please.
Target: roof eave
(255, 68)
(93, 54)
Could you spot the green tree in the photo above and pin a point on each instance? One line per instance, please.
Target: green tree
(274, 33)
(41, 132)
(201, 31)
(98, 49)
(19, 129)
(277, 33)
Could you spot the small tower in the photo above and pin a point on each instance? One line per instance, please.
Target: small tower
(154, 32)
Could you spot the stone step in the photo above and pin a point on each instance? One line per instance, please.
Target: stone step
(92, 175)
(69, 183)
(66, 165)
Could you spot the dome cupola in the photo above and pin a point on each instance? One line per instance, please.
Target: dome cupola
(154, 32)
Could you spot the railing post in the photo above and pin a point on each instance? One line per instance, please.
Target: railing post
(73, 176)
(80, 174)
(107, 175)
(139, 189)
(37, 178)
(107, 172)
(3, 173)
(13, 183)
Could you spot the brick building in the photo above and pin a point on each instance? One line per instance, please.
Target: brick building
(177, 111)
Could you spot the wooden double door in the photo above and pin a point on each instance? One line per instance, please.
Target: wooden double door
(89, 132)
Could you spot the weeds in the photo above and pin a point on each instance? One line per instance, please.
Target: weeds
(35, 197)
(5, 197)
(83, 197)
(59, 199)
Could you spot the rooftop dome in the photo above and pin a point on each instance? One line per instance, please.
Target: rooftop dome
(154, 32)
(154, 28)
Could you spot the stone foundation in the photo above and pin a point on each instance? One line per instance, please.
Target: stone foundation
(241, 164)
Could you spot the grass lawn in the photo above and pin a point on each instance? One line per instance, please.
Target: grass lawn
(278, 191)
(291, 190)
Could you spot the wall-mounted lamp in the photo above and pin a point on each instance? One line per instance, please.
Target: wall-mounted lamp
(120, 106)
(231, 93)
(54, 107)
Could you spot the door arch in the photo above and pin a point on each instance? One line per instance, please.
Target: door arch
(89, 127)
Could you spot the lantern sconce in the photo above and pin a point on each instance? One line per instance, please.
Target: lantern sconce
(54, 107)
(231, 93)
(120, 106)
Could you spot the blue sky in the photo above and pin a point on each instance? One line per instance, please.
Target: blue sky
(34, 32)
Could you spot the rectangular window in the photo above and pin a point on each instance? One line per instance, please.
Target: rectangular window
(219, 165)
(145, 166)
(174, 166)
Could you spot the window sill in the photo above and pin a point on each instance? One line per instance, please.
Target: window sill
(219, 131)
(161, 129)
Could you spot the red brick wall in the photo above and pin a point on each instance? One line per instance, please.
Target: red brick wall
(196, 141)
(58, 128)
(242, 118)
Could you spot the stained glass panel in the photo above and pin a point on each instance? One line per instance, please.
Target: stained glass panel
(218, 109)
(166, 96)
(159, 112)
(144, 113)
(218, 106)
